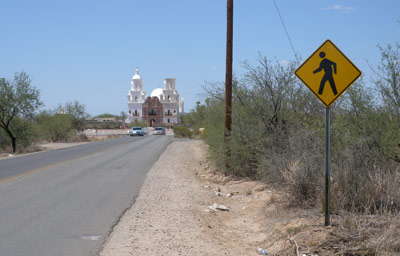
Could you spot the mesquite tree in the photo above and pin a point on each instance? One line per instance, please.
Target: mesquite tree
(18, 100)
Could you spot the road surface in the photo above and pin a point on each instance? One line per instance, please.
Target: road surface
(66, 201)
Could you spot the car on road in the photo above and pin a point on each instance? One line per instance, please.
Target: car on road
(159, 131)
(136, 130)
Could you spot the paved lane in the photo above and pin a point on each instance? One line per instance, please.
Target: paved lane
(76, 195)
(15, 166)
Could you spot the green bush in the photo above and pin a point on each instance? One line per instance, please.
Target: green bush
(55, 127)
(27, 136)
(182, 131)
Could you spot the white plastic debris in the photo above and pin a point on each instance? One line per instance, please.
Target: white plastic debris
(262, 251)
(220, 207)
(218, 193)
(209, 210)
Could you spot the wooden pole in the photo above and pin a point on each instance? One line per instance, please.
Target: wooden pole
(228, 74)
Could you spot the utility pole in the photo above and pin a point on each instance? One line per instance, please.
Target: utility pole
(228, 74)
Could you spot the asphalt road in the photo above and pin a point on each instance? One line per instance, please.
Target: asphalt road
(66, 201)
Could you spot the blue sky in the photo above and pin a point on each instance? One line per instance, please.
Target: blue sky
(89, 50)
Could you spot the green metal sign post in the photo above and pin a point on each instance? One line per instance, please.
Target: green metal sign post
(327, 166)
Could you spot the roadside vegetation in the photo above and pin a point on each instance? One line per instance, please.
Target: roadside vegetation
(278, 136)
(116, 121)
(138, 123)
(182, 132)
(18, 102)
(22, 125)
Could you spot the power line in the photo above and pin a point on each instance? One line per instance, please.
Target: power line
(287, 34)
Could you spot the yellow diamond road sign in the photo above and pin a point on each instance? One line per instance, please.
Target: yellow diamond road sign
(328, 73)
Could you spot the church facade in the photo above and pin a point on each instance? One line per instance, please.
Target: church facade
(162, 107)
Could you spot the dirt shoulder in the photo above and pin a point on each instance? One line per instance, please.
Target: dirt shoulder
(171, 215)
(42, 147)
(167, 217)
(46, 146)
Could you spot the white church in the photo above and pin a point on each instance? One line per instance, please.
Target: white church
(162, 107)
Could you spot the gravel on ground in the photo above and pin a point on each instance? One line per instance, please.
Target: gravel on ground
(173, 214)
(166, 217)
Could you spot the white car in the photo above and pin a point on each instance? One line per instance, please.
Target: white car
(159, 131)
(136, 130)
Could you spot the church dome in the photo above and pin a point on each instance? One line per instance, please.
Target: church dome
(157, 92)
(136, 76)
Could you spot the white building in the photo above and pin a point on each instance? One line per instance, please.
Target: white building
(136, 98)
(172, 106)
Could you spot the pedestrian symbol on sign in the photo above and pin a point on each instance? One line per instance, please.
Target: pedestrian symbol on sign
(326, 65)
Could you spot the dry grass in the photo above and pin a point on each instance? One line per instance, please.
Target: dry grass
(365, 235)
(101, 138)
(302, 183)
(79, 138)
(350, 234)
(20, 150)
(4, 153)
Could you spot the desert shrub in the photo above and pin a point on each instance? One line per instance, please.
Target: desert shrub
(266, 135)
(365, 234)
(210, 117)
(364, 154)
(138, 123)
(54, 126)
(105, 125)
(76, 111)
(301, 164)
(278, 135)
(25, 130)
(79, 138)
(182, 131)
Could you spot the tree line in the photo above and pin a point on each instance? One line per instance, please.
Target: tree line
(22, 123)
